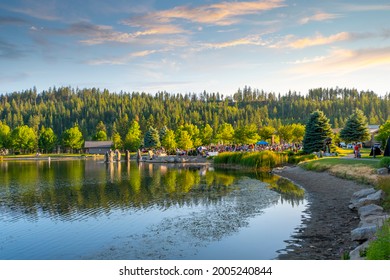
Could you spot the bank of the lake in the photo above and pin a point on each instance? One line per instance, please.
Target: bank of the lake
(326, 232)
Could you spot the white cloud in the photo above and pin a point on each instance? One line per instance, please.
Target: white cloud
(319, 17)
(122, 59)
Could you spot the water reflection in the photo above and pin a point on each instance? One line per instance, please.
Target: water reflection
(139, 210)
(67, 187)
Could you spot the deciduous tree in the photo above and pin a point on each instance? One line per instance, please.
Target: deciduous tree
(47, 139)
(133, 137)
(24, 139)
(72, 138)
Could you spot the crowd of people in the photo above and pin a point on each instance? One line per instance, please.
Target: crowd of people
(249, 148)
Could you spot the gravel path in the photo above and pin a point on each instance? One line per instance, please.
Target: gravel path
(326, 230)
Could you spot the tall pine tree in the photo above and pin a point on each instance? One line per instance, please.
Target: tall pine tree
(152, 138)
(317, 130)
(355, 129)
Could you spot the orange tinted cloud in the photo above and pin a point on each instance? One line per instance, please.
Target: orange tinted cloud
(319, 17)
(250, 40)
(291, 42)
(344, 61)
(223, 13)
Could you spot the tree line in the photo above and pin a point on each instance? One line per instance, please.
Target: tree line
(206, 117)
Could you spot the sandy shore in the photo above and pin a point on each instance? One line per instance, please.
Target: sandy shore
(326, 230)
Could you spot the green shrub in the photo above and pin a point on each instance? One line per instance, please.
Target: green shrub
(379, 248)
(384, 162)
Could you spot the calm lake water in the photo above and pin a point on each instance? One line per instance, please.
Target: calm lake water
(86, 209)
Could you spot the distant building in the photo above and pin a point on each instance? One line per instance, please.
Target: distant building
(97, 147)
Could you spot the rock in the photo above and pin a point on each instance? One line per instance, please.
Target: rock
(356, 253)
(369, 210)
(373, 220)
(363, 233)
(382, 171)
(373, 198)
(171, 159)
(362, 193)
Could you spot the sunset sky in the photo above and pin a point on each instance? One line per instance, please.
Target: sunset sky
(191, 46)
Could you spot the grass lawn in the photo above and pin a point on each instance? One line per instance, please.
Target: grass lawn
(359, 169)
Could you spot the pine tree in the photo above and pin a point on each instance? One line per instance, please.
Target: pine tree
(317, 130)
(152, 138)
(355, 129)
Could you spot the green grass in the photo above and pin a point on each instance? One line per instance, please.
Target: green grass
(328, 162)
(379, 247)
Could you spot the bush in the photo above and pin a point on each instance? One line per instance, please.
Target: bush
(385, 162)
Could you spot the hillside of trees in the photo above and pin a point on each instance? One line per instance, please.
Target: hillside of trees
(62, 108)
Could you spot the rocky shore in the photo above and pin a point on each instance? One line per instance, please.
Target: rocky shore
(325, 233)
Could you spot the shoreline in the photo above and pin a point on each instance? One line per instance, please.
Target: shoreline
(325, 231)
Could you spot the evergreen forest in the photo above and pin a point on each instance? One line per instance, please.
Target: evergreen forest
(64, 107)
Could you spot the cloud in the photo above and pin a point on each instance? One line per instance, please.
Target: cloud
(341, 61)
(249, 40)
(319, 40)
(45, 11)
(319, 17)
(93, 34)
(9, 50)
(11, 21)
(224, 13)
(290, 41)
(366, 8)
(123, 59)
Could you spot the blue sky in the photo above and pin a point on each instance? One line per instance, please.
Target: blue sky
(191, 46)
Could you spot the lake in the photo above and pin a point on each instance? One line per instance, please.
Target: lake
(87, 209)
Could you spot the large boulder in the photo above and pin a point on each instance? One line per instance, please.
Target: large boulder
(363, 233)
(362, 193)
(373, 198)
(356, 254)
(374, 220)
(370, 210)
(382, 171)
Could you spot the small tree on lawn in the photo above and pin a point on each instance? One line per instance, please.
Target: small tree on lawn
(355, 129)
(317, 130)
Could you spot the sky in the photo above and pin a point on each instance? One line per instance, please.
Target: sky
(192, 46)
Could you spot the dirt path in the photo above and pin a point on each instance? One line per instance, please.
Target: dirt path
(326, 231)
